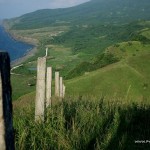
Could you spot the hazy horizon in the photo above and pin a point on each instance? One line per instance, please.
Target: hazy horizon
(16, 8)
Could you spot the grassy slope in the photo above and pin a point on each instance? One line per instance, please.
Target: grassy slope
(101, 11)
(61, 58)
(129, 77)
(61, 54)
(20, 85)
(83, 124)
(132, 73)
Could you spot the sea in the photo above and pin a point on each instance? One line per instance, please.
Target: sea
(16, 49)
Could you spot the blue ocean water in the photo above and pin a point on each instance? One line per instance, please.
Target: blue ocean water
(16, 49)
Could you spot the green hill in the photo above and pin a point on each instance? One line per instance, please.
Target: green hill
(87, 37)
(92, 12)
(128, 44)
(127, 78)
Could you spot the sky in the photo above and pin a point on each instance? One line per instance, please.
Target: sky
(15, 8)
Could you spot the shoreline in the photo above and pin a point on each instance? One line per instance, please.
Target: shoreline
(18, 37)
(27, 55)
(30, 53)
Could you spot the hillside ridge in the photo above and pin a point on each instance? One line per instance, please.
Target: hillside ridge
(95, 11)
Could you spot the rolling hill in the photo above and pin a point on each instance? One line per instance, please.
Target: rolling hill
(128, 78)
(92, 12)
(79, 39)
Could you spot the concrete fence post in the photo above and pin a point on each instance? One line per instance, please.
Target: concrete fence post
(64, 89)
(57, 84)
(61, 87)
(49, 86)
(6, 122)
(40, 89)
(46, 52)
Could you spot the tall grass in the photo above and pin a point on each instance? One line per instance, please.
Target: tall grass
(83, 124)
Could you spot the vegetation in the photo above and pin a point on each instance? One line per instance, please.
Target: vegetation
(83, 123)
(61, 56)
(20, 85)
(129, 75)
(92, 12)
(104, 56)
(96, 63)
(92, 39)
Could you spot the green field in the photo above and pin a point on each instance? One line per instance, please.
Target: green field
(130, 73)
(127, 78)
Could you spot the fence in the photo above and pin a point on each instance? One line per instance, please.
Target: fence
(6, 123)
(44, 88)
(43, 97)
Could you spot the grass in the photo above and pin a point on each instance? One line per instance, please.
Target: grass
(128, 49)
(20, 85)
(130, 75)
(132, 71)
(105, 109)
(89, 41)
(146, 33)
(111, 80)
(28, 71)
(59, 57)
(141, 63)
(84, 123)
(41, 33)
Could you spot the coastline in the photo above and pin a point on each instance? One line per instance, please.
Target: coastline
(27, 40)
(29, 54)
(18, 37)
